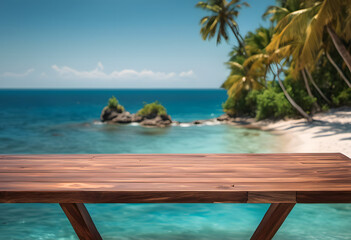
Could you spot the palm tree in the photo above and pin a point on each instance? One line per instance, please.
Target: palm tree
(292, 102)
(274, 59)
(338, 69)
(324, 52)
(257, 41)
(292, 51)
(249, 72)
(310, 22)
(316, 86)
(283, 8)
(333, 18)
(287, 35)
(244, 78)
(222, 17)
(316, 107)
(277, 14)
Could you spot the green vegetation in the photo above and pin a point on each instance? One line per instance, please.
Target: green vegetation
(298, 66)
(152, 110)
(344, 98)
(223, 17)
(113, 104)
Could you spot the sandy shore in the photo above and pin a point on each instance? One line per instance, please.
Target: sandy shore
(329, 132)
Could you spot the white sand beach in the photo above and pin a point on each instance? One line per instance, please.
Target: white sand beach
(329, 132)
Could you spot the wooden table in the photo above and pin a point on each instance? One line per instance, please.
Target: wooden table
(72, 180)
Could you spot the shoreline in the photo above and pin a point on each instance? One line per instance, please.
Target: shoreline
(329, 132)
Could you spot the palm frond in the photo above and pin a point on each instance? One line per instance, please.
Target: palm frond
(209, 7)
(327, 13)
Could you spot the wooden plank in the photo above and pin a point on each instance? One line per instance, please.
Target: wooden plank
(272, 220)
(208, 175)
(262, 177)
(177, 157)
(81, 221)
(114, 178)
(175, 186)
(272, 197)
(124, 197)
(323, 197)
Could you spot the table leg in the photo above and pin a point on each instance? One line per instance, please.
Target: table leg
(272, 220)
(81, 221)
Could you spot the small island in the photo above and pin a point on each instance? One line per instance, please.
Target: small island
(151, 115)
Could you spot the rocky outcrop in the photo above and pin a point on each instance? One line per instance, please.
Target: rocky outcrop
(224, 117)
(156, 121)
(137, 118)
(108, 114)
(115, 115)
(123, 117)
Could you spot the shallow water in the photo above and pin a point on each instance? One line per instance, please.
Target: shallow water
(66, 122)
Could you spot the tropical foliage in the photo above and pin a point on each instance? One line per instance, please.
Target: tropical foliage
(152, 110)
(113, 104)
(222, 17)
(298, 66)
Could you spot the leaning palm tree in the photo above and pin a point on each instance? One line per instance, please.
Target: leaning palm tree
(222, 17)
(291, 101)
(291, 30)
(316, 86)
(271, 60)
(325, 51)
(310, 22)
(333, 16)
(342, 75)
(292, 52)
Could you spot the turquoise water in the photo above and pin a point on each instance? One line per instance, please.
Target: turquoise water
(66, 121)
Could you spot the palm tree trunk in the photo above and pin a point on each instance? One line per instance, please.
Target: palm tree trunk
(316, 107)
(316, 86)
(338, 69)
(274, 82)
(340, 47)
(237, 34)
(291, 101)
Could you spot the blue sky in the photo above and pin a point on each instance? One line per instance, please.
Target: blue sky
(112, 44)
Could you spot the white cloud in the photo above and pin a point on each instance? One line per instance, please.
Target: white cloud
(98, 73)
(18, 75)
(189, 73)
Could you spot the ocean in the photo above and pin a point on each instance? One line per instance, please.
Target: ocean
(67, 121)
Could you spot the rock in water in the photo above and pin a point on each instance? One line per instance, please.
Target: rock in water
(118, 115)
(197, 122)
(124, 117)
(137, 118)
(108, 114)
(224, 117)
(166, 117)
(158, 121)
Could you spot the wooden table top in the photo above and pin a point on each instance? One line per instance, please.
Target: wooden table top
(176, 178)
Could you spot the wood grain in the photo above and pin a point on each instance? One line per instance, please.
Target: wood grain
(272, 220)
(81, 221)
(257, 178)
(271, 197)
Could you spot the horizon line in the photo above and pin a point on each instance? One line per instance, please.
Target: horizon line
(111, 89)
